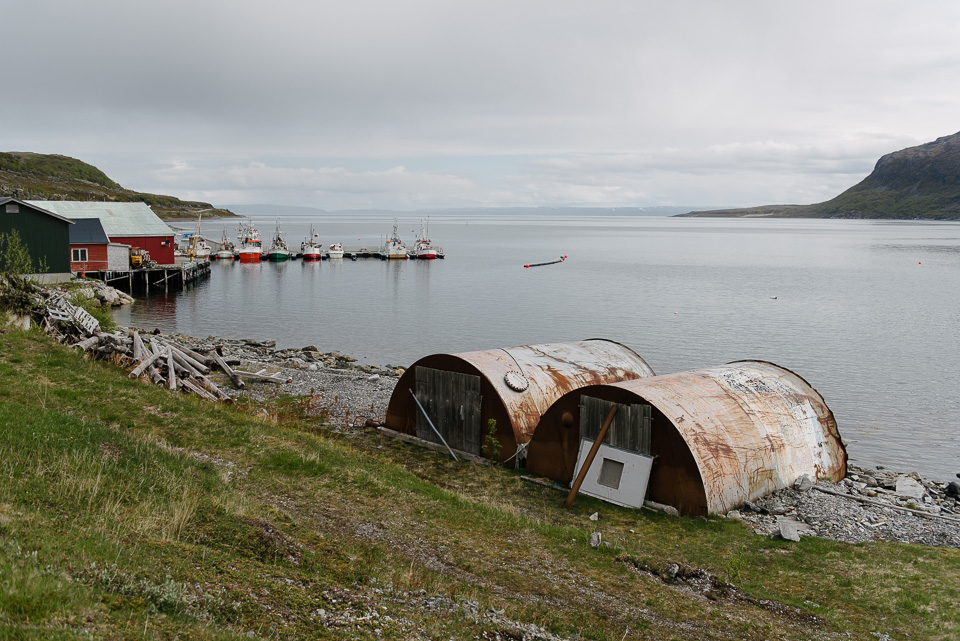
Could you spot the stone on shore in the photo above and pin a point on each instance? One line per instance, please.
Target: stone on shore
(910, 488)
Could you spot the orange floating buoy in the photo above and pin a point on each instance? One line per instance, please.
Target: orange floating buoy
(526, 266)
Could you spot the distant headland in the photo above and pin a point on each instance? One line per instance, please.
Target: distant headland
(917, 183)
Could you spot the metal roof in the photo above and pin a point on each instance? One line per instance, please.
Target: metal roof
(752, 427)
(118, 219)
(88, 231)
(542, 372)
(552, 370)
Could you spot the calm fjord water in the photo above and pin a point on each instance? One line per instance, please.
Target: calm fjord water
(866, 311)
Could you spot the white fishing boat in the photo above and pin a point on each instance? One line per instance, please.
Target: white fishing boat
(250, 243)
(198, 247)
(423, 249)
(335, 251)
(394, 248)
(311, 249)
(278, 247)
(227, 248)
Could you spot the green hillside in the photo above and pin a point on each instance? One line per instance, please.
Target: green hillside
(30, 176)
(920, 182)
(129, 512)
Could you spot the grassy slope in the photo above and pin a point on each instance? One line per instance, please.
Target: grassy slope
(129, 512)
(30, 176)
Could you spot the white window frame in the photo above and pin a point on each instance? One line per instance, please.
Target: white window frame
(78, 255)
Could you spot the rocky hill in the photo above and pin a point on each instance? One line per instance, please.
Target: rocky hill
(920, 182)
(30, 176)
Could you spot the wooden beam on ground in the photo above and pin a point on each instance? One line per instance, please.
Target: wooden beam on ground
(139, 369)
(228, 371)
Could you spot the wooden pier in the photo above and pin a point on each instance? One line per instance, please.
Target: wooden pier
(165, 278)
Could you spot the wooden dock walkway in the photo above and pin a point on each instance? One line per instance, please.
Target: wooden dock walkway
(166, 278)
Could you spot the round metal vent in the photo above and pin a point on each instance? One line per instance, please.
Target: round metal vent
(516, 381)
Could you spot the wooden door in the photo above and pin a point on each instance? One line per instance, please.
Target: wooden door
(452, 401)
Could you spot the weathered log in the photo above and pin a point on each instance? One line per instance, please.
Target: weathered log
(171, 370)
(156, 376)
(196, 389)
(200, 358)
(87, 343)
(139, 351)
(215, 389)
(183, 357)
(228, 371)
(138, 370)
(184, 363)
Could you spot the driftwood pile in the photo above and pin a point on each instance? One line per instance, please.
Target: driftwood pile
(163, 361)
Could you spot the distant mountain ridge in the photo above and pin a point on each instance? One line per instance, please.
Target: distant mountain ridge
(920, 182)
(31, 176)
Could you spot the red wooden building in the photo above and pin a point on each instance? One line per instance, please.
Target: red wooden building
(92, 251)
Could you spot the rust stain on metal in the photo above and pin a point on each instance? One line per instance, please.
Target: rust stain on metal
(553, 370)
(753, 427)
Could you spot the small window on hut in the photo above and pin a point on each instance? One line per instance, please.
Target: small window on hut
(13, 209)
(610, 473)
(79, 255)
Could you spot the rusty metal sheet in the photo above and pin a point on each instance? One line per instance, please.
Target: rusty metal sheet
(753, 427)
(552, 370)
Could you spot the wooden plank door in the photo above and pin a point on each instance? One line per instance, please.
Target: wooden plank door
(452, 400)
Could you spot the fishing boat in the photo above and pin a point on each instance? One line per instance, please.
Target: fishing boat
(250, 244)
(335, 251)
(198, 249)
(423, 249)
(227, 248)
(310, 248)
(278, 247)
(394, 248)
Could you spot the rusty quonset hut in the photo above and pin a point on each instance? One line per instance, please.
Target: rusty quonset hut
(720, 436)
(513, 386)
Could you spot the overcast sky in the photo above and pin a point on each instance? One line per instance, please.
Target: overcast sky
(448, 103)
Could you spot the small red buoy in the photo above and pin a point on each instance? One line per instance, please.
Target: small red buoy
(526, 266)
(920, 262)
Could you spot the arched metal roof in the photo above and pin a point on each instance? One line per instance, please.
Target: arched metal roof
(752, 427)
(549, 371)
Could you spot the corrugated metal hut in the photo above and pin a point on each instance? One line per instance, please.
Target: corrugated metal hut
(45, 233)
(513, 386)
(717, 437)
(133, 224)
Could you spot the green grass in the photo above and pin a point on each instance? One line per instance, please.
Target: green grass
(130, 512)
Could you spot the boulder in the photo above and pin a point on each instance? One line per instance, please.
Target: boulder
(909, 487)
(787, 530)
(803, 484)
(953, 489)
